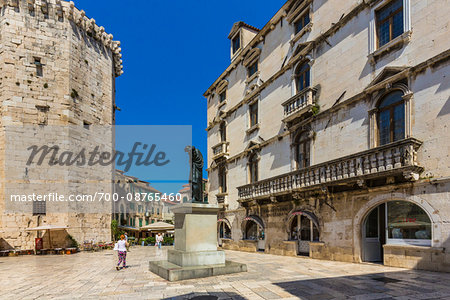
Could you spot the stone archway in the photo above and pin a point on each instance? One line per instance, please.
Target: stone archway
(223, 230)
(368, 207)
(303, 227)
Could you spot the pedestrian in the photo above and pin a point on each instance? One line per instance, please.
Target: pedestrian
(159, 240)
(126, 237)
(121, 247)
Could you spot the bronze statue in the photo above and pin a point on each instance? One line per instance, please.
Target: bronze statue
(196, 174)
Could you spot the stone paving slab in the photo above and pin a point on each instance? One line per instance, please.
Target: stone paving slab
(93, 276)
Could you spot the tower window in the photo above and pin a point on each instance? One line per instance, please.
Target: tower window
(31, 10)
(86, 125)
(39, 67)
(39, 208)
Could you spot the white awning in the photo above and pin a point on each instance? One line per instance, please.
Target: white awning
(158, 226)
(47, 227)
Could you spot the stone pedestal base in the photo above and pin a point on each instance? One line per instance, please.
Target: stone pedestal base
(197, 258)
(173, 272)
(195, 254)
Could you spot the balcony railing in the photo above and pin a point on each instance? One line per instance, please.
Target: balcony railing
(298, 104)
(388, 160)
(220, 150)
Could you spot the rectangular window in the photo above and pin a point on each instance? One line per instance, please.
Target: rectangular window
(236, 43)
(389, 22)
(302, 22)
(252, 69)
(39, 67)
(222, 179)
(223, 96)
(42, 114)
(86, 125)
(39, 208)
(140, 222)
(223, 132)
(253, 114)
(31, 9)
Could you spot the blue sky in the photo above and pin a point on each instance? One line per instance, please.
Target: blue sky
(172, 52)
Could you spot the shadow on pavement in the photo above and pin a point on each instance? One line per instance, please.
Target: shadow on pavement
(209, 296)
(411, 284)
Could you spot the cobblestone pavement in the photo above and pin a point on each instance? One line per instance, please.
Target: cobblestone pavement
(93, 276)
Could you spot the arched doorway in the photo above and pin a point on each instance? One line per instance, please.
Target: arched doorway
(394, 222)
(223, 230)
(254, 230)
(303, 228)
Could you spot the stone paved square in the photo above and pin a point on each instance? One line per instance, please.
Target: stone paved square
(91, 275)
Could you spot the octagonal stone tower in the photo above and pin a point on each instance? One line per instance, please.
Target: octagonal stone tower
(57, 68)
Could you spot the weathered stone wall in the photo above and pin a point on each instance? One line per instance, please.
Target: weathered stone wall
(57, 68)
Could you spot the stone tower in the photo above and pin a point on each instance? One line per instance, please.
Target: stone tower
(57, 68)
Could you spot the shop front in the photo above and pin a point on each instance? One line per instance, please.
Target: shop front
(253, 231)
(303, 229)
(399, 223)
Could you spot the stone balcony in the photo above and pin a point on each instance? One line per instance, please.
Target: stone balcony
(299, 104)
(395, 160)
(220, 150)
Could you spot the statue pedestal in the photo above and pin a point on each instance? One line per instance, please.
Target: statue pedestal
(195, 252)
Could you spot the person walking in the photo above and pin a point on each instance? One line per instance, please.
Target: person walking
(159, 240)
(122, 252)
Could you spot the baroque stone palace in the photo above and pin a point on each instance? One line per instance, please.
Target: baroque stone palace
(328, 133)
(58, 69)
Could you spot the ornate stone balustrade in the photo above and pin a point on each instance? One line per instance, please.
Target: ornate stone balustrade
(394, 159)
(298, 104)
(220, 150)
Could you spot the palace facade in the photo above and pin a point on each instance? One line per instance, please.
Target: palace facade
(328, 133)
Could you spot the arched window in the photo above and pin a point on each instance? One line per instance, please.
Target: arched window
(224, 230)
(302, 77)
(302, 146)
(253, 230)
(391, 118)
(303, 229)
(253, 168)
(395, 222)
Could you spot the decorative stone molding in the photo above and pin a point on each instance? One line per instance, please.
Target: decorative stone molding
(221, 86)
(298, 10)
(396, 43)
(251, 57)
(301, 33)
